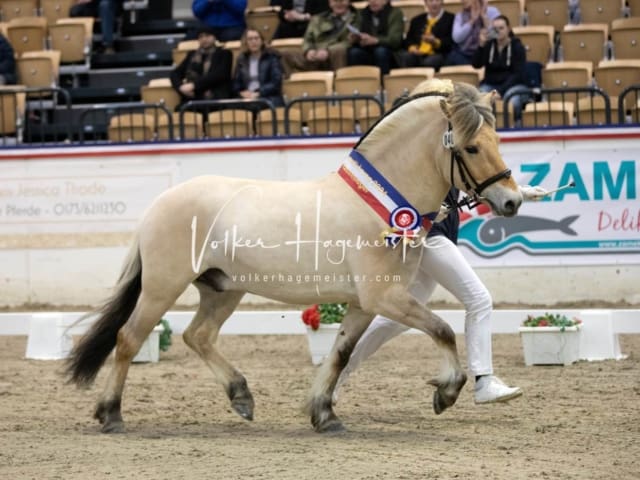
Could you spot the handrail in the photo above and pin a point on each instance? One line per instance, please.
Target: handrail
(208, 106)
(621, 104)
(106, 111)
(329, 100)
(562, 92)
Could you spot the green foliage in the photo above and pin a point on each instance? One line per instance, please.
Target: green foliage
(165, 335)
(332, 312)
(551, 320)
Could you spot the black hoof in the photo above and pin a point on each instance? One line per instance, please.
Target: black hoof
(113, 427)
(332, 426)
(243, 408)
(439, 403)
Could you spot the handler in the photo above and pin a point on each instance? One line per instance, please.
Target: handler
(443, 263)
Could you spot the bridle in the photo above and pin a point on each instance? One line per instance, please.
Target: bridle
(473, 188)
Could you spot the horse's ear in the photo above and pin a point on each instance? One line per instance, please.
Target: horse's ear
(490, 97)
(444, 106)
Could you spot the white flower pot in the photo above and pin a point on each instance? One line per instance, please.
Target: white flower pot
(321, 341)
(550, 345)
(150, 350)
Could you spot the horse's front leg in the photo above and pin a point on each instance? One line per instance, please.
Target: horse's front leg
(399, 305)
(319, 405)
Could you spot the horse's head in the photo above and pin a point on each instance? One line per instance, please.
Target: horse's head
(477, 167)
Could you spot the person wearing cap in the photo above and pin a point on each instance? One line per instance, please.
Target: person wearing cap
(225, 17)
(325, 41)
(205, 73)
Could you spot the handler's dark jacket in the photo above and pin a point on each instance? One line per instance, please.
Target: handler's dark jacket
(209, 71)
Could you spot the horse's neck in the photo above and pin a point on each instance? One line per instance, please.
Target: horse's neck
(413, 160)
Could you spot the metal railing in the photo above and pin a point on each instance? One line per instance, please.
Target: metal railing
(28, 115)
(629, 112)
(565, 96)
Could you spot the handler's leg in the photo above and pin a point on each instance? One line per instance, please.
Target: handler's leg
(383, 329)
(451, 270)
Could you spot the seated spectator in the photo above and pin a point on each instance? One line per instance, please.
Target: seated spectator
(258, 72)
(225, 17)
(503, 57)
(7, 62)
(295, 15)
(204, 74)
(325, 40)
(380, 28)
(429, 37)
(107, 11)
(476, 15)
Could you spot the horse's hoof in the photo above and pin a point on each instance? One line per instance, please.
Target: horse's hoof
(244, 409)
(332, 426)
(113, 427)
(439, 405)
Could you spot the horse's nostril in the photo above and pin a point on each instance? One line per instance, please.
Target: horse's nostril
(509, 207)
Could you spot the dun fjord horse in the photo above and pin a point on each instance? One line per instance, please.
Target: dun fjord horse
(353, 236)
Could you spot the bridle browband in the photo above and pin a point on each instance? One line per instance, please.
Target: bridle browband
(473, 198)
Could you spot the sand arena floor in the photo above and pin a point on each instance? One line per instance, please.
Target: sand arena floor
(577, 422)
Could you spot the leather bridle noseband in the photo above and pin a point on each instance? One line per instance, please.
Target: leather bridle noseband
(473, 197)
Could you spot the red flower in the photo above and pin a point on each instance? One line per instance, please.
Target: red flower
(543, 323)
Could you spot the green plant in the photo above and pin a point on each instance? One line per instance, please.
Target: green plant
(551, 320)
(324, 313)
(165, 335)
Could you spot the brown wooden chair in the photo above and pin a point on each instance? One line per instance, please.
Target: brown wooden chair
(264, 124)
(591, 110)
(400, 81)
(229, 123)
(600, 11)
(73, 38)
(367, 116)
(548, 114)
(613, 76)
(12, 111)
(567, 75)
(585, 42)
(461, 73)
(332, 120)
(193, 126)
(27, 34)
(553, 13)
(285, 45)
(10, 9)
(537, 41)
(160, 91)
(54, 10)
(625, 35)
(132, 127)
(263, 19)
(307, 84)
(512, 9)
(39, 69)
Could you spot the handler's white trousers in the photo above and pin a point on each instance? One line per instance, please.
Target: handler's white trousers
(442, 263)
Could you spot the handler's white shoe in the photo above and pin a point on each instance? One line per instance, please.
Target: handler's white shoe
(490, 389)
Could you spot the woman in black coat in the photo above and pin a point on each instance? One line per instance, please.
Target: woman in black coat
(258, 72)
(7, 63)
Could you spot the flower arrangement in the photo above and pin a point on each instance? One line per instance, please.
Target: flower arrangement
(324, 313)
(165, 336)
(551, 320)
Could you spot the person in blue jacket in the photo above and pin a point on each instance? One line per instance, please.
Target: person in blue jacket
(225, 17)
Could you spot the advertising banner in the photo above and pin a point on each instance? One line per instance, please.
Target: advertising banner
(597, 221)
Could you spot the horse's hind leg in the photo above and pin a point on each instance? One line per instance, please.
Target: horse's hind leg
(319, 405)
(144, 318)
(202, 334)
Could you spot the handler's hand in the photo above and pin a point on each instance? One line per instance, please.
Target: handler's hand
(443, 213)
(533, 193)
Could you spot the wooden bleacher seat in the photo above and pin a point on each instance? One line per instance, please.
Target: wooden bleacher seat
(12, 110)
(410, 9)
(307, 84)
(625, 35)
(54, 10)
(160, 91)
(600, 11)
(10, 9)
(553, 13)
(132, 127)
(230, 123)
(332, 120)
(512, 9)
(585, 42)
(193, 126)
(73, 38)
(179, 53)
(461, 73)
(548, 114)
(538, 41)
(27, 34)
(264, 124)
(400, 81)
(263, 19)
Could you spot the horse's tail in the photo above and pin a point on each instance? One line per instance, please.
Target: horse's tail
(88, 356)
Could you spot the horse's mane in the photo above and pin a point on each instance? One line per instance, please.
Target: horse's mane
(464, 103)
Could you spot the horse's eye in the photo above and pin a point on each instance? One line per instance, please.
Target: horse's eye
(471, 149)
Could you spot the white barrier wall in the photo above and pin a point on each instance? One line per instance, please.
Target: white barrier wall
(67, 214)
